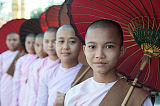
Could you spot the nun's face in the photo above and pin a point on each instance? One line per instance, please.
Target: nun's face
(39, 47)
(29, 44)
(13, 42)
(49, 43)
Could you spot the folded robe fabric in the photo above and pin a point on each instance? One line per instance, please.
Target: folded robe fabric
(6, 80)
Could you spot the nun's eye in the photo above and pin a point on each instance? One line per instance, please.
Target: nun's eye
(109, 46)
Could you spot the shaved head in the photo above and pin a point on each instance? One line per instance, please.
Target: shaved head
(51, 30)
(13, 41)
(104, 23)
(12, 33)
(66, 26)
(40, 35)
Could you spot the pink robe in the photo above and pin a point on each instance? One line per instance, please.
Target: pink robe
(6, 59)
(33, 78)
(33, 66)
(57, 79)
(20, 78)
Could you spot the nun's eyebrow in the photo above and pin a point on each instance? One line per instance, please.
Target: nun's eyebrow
(69, 38)
(91, 42)
(109, 42)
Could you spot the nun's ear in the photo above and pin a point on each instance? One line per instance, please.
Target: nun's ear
(123, 50)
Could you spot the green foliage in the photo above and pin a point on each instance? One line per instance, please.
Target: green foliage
(55, 2)
(36, 13)
(1, 5)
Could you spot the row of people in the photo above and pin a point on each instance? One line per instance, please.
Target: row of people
(25, 81)
(50, 71)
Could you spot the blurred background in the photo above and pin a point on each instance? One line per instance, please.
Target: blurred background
(17, 9)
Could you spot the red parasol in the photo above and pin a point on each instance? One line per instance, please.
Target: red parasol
(10, 26)
(43, 22)
(63, 17)
(140, 20)
(52, 16)
(29, 26)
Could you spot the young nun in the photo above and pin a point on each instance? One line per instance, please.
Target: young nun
(61, 77)
(22, 70)
(7, 59)
(103, 47)
(47, 63)
(31, 85)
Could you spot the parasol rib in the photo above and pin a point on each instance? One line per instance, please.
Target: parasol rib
(145, 11)
(128, 35)
(128, 7)
(101, 18)
(158, 75)
(120, 8)
(128, 58)
(153, 11)
(135, 66)
(102, 12)
(147, 75)
(131, 46)
(132, 40)
(137, 10)
(112, 9)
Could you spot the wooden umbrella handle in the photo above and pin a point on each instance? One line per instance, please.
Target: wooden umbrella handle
(146, 59)
(129, 93)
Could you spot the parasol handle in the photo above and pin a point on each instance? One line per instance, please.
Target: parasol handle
(146, 59)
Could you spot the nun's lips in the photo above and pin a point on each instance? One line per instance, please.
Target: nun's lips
(100, 64)
(66, 53)
(50, 49)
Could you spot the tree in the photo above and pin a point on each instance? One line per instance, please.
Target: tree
(36, 13)
(55, 2)
(1, 5)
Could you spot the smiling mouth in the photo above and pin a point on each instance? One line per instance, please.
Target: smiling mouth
(66, 54)
(100, 63)
(50, 49)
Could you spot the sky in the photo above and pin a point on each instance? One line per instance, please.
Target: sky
(30, 5)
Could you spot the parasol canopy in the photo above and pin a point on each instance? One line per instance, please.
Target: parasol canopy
(43, 22)
(52, 16)
(63, 17)
(10, 26)
(29, 26)
(140, 21)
